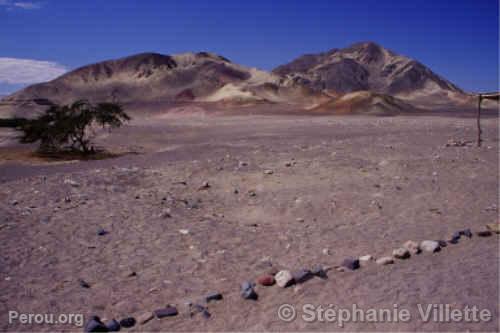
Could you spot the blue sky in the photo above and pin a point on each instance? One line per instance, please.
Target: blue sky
(457, 39)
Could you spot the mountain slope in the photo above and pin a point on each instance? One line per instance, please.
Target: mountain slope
(366, 66)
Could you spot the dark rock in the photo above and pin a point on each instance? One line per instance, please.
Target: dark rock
(320, 272)
(350, 263)
(213, 297)
(466, 232)
(484, 233)
(101, 232)
(127, 322)
(113, 325)
(169, 311)
(442, 243)
(266, 280)
(197, 308)
(247, 291)
(302, 275)
(454, 238)
(83, 283)
(94, 324)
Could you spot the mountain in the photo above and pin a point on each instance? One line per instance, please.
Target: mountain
(314, 82)
(367, 66)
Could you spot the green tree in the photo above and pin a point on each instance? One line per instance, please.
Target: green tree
(71, 126)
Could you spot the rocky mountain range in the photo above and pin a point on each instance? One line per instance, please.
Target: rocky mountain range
(310, 82)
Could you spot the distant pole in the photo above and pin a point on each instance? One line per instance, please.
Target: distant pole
(479, 121)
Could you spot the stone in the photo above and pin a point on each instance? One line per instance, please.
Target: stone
(442, 243)
(145, 317)
(319, 271)
(252, 193)
(71, 182)
(101, 232)
(284, 278)
(83, 283)
(350, 263)
(247, 291)
(302, 275)
(454, 238)
(204, 186)
(94, 324)
(184, 231)
(365, 258)
(268, 172)
(213, 297)
(242, 164)
(429, 246)
(127, 322)
(466, 232)
(326, 252)
(385, 261)
(197, 308)
(113, 325)
(401, 253)
(168, 311)
(493, 227)
(484, 233)
(266, 280)
(412, 247)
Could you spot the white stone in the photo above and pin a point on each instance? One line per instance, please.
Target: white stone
(429, 246)
(385, 261)
(283, 278)
(365, 258)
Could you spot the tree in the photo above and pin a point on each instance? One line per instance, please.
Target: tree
(71, 126)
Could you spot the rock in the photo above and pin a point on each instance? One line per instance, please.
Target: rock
(204, 186)
(127, 322)
(466, 232)
(284, 278)
(429, 246)
(94, 324)
(83, 284)
(113, 325)
(71, 182)
(350, 263)
(442, 243)
(145, 317)
(266, 280)
(14, 202)
(319, 271)
(268, 172)
(101, 232)
(302, 275)
(213, 297)
(326, 252)
(168, 311)
(494, 227)
(365, 258)
(242, 164)
(412, 247)
(129, 273)
(454, 238)
(288, 164)
(184, 231)
(401, 253)
(247, 291)
(197, 308)
(484, 233)
(385, 261)
(252, 193)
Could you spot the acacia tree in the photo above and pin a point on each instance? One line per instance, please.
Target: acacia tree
(71, 126)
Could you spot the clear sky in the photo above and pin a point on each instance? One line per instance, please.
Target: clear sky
(457, 39)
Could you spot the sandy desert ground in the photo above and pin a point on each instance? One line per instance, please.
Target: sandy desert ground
(340, 187)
